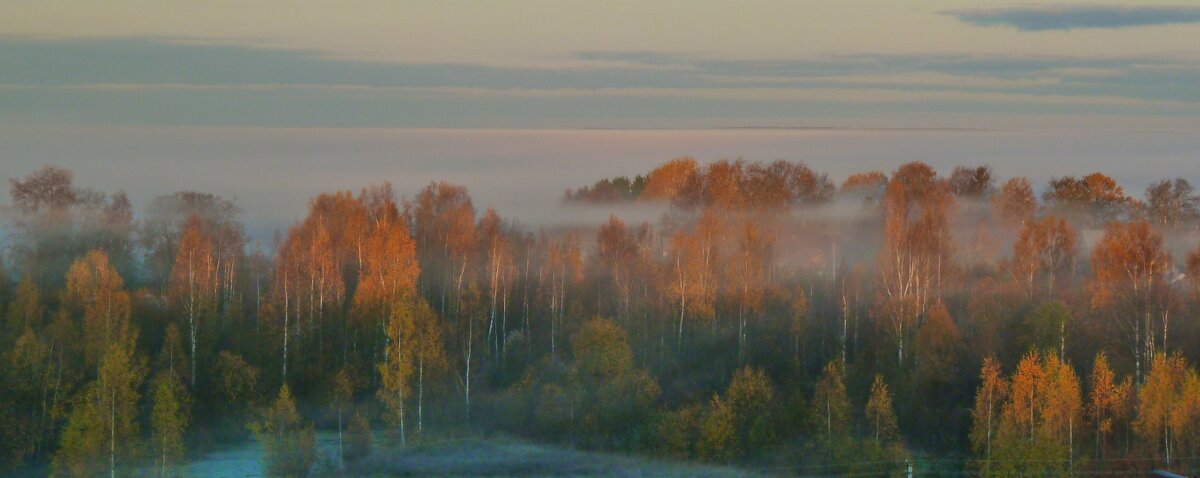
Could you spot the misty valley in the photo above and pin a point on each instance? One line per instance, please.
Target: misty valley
(769, 321)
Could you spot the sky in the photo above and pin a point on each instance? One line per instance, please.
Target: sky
(612, 64)
(272, 101)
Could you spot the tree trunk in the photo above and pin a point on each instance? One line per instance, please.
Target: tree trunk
(467, 377)
(285, 327)
(112, 436)
(400, 392)
(341, 446)
(420, 393)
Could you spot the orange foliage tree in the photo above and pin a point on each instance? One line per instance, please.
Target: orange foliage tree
(1015, 203)
(665, 182)
(693, 263)
(1044, 252)
(1129, 266)
(192, 289)
(917, 250)
(97, 293)
(1094, 199)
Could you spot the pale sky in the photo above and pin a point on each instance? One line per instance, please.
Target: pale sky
(611, 64)
(271, 102)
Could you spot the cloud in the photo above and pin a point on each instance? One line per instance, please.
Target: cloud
(168, 81)
(644, 58)
(1066, 17)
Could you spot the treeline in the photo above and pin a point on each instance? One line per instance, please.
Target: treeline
(736, 184)
(733, 331)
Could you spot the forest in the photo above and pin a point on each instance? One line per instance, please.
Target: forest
(772, 320)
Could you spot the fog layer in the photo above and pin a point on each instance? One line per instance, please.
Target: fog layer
(523, 173)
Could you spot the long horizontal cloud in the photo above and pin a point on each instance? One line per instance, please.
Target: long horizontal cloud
(143, 80)
(1066, 17)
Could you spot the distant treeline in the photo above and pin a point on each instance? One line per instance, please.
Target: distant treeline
(944, 323)
(729, 184)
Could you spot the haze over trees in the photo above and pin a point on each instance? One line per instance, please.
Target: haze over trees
(771, 320)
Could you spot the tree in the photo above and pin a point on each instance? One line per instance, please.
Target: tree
(1129, 266)
(1015, 204)
(917, 251)
(1094, 199)
(26, 375)
(751, 398)
(193, 284)
(601, 350)
(881, 419)
(1044, 253)
(679, 431)
(746, 274)
(616, 397)
(168, 420)
(868, 186)
(665, 182)
(1039, 418)
(53, 221)
(940, 353)
(314, 265)
(494, 250)
(26, 309)
(1045, 329)
(971, 182)
(869, 179)
(616, 258)
(237, 383)
(800, 315)
(1017, 432)
(693, 262)
(165, 221)
(50, 188)
(172, 355)
(397, 368)
(1193, 270)
(97, 293)
(341, 395)
(829, 413)
(472, 309)
(985, 418)
(800, 184)
(444, 226)
(718, 434)
(1171, 204)
(387, 279)
(562, 271)
(1158, 400)
(1106, 401)
(940, 348)
(1062, 405)
(290, 445)
(606, 190)
(429, 353)
(104, 417)
(1185, 421)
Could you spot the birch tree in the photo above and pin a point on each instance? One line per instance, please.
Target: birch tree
(192, 288)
